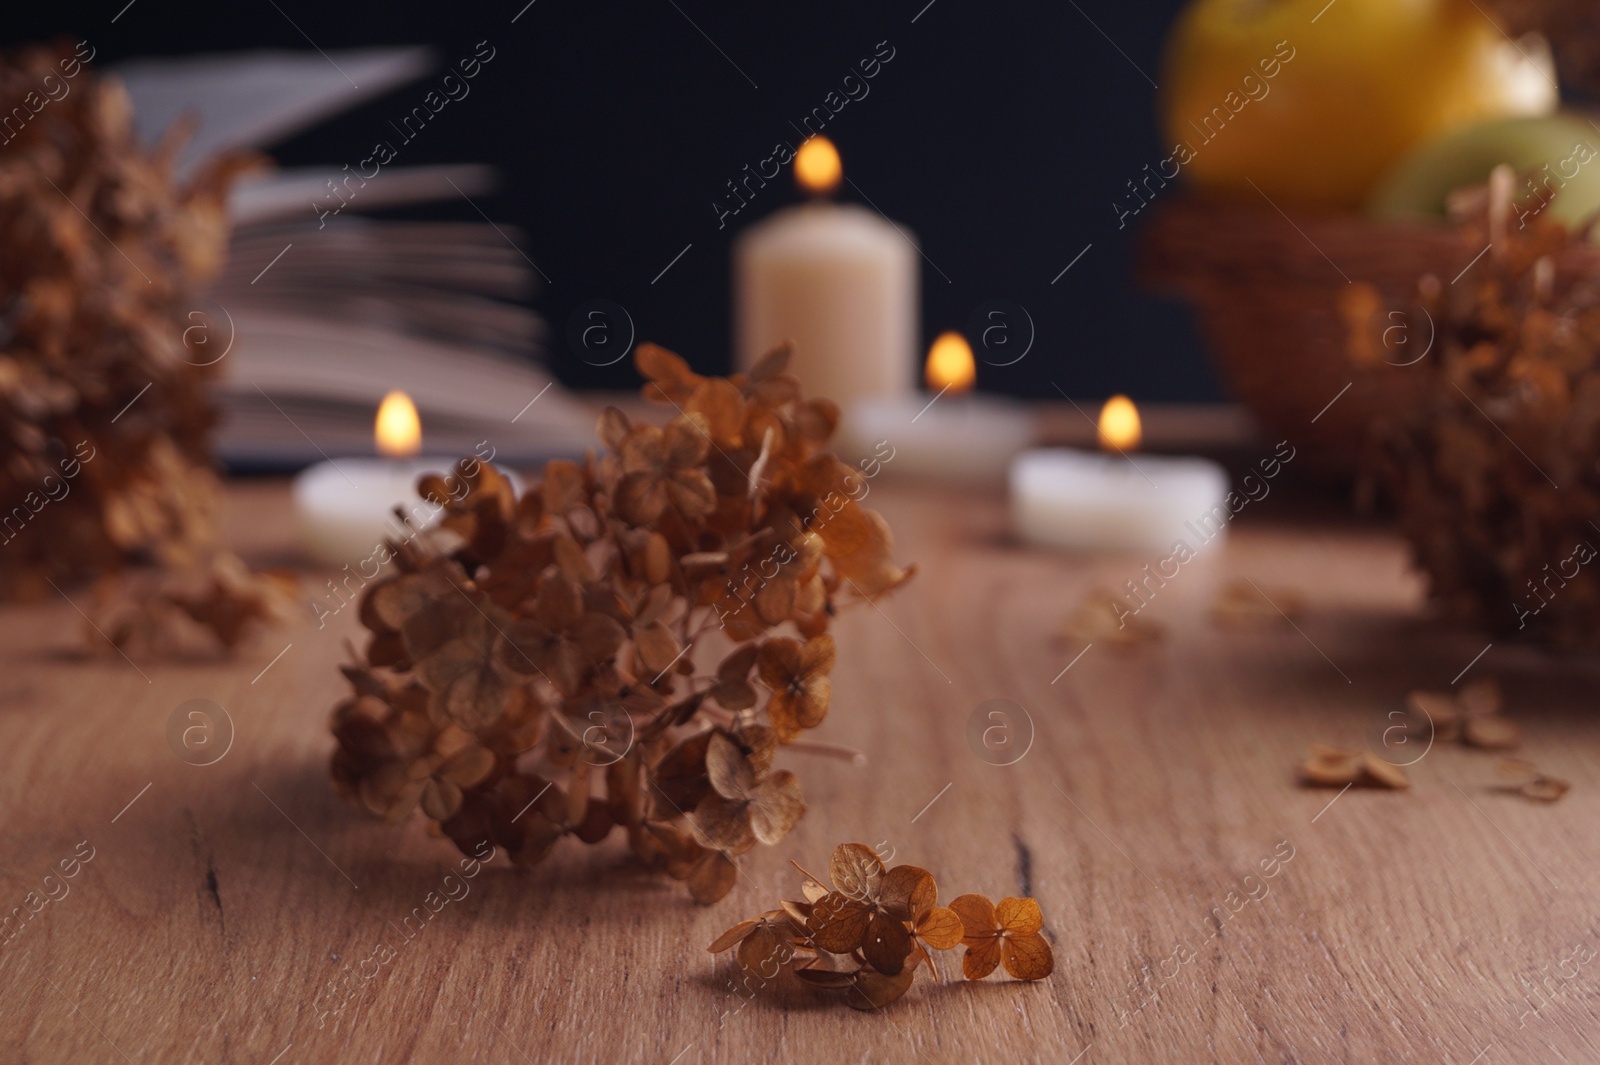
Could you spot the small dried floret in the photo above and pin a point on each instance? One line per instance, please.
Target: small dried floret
(868, 936)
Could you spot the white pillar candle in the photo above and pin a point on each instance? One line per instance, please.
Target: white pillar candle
(838, 280)
(1115, 501)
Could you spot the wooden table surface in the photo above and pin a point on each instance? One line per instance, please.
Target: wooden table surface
(1448, 924)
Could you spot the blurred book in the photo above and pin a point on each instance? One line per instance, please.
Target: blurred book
(320, 315)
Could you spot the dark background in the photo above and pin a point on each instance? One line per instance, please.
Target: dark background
(1000, 133)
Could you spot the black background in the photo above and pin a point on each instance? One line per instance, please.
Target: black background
(1000, 133)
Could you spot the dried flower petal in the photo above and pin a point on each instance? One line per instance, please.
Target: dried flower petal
(1331, 766)
(1334, 767)
(1438, 713)
(940, 928)
(838, 923)
(1242, 602)
(856, 871)
(1528, 781)
(1377, 772)
(1492, 732)
(1102, 616)
(1481, 697)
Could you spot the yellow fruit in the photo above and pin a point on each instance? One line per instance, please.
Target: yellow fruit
(1315, 112)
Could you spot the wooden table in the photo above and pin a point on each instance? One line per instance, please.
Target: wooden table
(1449, 924)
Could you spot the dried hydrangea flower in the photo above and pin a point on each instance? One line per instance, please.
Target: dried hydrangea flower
(1490, 461)
(558, 631)
(869, 934)
(106, 467)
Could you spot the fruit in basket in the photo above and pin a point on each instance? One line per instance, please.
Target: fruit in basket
(1313, 102)
(1556, 157)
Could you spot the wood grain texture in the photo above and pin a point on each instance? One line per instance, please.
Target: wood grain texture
(1448, 924)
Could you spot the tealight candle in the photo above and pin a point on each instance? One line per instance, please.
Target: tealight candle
(346, 508)
(949, 435)
(1111, 502)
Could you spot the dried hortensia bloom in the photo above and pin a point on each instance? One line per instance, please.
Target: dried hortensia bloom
(1493, 469)
(105, 422)
(630, 643)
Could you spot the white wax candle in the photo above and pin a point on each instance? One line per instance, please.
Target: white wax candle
(842, 283)
(1108, 502)
(346, 508)
(957, 438)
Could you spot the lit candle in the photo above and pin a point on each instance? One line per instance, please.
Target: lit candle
(1112, 501)
(838, 280)
(947, 434)
(346, 508)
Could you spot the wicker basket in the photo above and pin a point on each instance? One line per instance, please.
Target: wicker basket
(1267, 287)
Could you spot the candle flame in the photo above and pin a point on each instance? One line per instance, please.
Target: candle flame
(816, 166)
(398, 430)
(1119, 428)
(950, 364)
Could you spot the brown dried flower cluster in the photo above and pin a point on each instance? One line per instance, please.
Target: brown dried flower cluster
(1493, 469)
(535, 675)
(868, 935)
(104, 419)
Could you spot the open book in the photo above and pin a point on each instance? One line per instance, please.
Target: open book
(317, 316)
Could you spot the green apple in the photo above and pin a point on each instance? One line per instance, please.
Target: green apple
(1556, 157)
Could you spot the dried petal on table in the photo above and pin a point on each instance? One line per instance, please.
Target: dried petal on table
(1243, 603)
(1382, 773)
(1333, 767)
(1481, 697)
(1492, 732)
(1102, 616)
(1435, 714)
(1524, 778)
(1471, 715)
